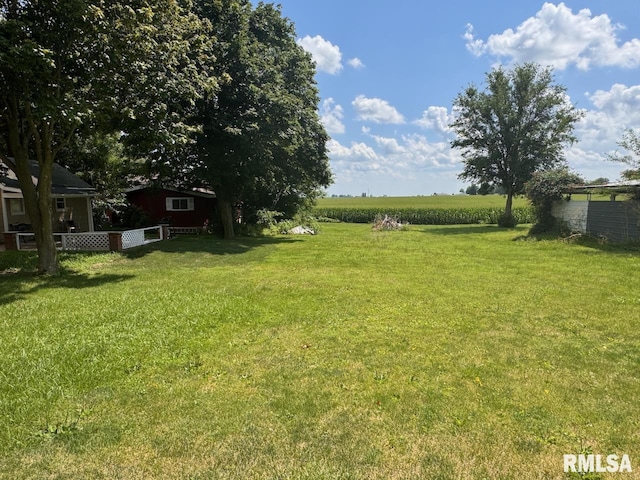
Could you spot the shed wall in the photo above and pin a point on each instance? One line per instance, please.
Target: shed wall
(153, 201)
(617, 221)
(573, 212)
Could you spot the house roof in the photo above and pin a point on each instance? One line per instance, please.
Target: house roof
(626, 186)
(198, 192)
(63, 181)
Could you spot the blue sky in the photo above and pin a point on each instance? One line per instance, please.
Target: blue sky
(388, 73)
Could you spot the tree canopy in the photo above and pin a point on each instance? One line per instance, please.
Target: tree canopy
(517, 126)
(82, 65)
(631, 142)
(202, 92)
(262, 143)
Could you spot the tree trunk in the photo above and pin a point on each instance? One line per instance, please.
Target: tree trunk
(37, 198)
(226, 215)
(507, 208)
(38, 203)
(47, 251)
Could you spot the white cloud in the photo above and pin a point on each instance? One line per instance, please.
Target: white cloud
(620, 102)
(600, 130)
(376, 110)
(558, 37)
(327, 56)
(405, 157)
(615, 110)
(389, 146)
(474, 45)
(436, 118)
(357, 152)
(356, 63)
(331, 116)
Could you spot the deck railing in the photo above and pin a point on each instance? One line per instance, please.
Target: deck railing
(97, 241)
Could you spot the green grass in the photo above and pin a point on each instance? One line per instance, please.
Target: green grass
(464, 352)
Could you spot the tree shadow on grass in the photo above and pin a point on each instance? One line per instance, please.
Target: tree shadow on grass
(16, 285)
(18, 278)
(478, 229)
(595, 245)
(209, 244)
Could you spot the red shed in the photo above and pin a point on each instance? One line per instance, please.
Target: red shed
(180, 208)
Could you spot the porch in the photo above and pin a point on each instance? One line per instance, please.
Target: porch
(113, 241)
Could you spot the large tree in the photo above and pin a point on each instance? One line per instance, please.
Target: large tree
(68, 64)
(262, 143)
(520, 124)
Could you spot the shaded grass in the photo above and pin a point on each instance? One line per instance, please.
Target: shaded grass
(437, 352)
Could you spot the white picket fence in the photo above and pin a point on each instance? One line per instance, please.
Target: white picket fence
(96, 241)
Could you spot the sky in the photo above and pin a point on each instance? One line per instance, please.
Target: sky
(388, 73)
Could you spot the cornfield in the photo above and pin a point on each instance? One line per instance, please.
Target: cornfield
(425, 216)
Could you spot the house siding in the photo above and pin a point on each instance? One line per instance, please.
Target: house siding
(1, 216)
(153, 202)
(13, 219)
(76, 210)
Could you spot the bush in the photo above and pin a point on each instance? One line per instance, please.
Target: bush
(507, 221)
(543, 189)
(267, 218)
(134, 216)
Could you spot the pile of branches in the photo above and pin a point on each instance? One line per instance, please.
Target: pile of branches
(386, 223)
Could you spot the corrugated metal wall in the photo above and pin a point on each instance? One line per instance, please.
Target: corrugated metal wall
(617, 221)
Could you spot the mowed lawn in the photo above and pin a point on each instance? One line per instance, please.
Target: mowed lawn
(461, 352)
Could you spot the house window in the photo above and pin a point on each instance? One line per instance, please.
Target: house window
(60, 204)
(16, 206)
(179, 204)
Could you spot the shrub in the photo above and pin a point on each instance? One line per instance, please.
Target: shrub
(134, 216)
(267, 218)
(544, 188)
(507, 221)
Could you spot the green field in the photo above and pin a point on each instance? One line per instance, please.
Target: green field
(433, 210)
(432, 201)
(438, 352)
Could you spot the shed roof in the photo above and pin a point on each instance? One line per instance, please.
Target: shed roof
(626, 186)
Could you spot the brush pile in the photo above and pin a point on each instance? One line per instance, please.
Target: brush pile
(386, 223)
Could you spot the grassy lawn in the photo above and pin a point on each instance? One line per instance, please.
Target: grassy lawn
(457, 352)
